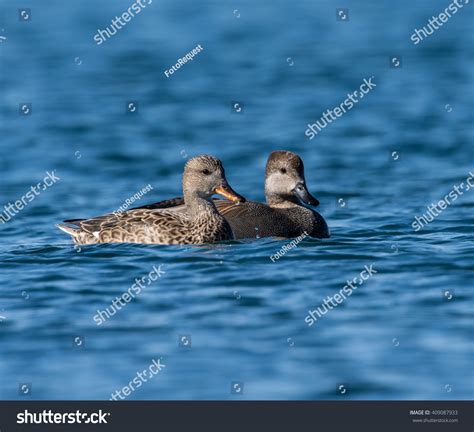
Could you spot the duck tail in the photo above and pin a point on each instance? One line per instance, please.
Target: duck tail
(69, 230)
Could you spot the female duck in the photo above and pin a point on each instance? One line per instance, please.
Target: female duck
(197, 221)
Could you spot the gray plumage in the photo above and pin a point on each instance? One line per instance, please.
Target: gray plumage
(253, 219)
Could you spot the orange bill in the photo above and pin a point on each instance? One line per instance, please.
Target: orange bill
(227, 192)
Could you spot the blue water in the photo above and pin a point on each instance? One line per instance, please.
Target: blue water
(406, 333)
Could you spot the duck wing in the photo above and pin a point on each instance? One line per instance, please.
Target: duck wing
(138, 226)
(252, 219)
(169, 203)
(112, 221)
(172, 203)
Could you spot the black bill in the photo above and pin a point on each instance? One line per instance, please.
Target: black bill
(303, 194)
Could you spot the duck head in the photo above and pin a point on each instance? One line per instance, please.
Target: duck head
(204, 176)
(285, 184)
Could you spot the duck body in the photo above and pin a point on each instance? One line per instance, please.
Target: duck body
(152, 227)
(194, 221)
(252, 219)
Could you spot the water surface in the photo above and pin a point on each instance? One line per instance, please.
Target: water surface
(406, 333)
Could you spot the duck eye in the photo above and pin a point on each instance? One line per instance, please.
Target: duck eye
(283, 170)
(206, 171)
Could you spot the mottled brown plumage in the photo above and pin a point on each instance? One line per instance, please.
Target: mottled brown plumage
(196, 221)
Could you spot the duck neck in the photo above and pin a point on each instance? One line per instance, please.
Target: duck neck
(279, 201)
(199, 207)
